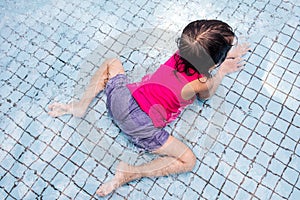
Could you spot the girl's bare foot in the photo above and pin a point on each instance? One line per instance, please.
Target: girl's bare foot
(58, 109)
(123, 175)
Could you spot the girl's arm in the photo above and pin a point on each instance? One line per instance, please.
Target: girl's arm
(206, 87)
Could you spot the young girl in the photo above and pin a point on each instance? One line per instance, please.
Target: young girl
(142, 109)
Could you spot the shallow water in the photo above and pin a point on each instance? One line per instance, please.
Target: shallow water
(246, 138)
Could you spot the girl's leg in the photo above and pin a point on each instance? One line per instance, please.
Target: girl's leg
(176, 158)
(109, 69)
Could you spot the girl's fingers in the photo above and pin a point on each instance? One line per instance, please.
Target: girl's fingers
(51, 106)
(241, 64)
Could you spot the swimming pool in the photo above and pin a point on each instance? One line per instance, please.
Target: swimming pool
(246, 137)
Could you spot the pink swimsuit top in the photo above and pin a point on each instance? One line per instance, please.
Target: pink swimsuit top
(159, 94)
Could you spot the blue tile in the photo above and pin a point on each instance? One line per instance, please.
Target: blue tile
(283, 188)
(157, 192)
(249, 151)
(289, 53)
(210, 192)
(125, 190)
(279, 96)
(91, 185)
(58, 161)
(231, 126)
(7, 181)
(239, 87)
(294, 92)
(39, 166)
(48, 154)
(270, 180)
(297, 151)
(89, 164)
(293, 44)
(50, 193)
(269, 147)
(145, 184)
(218, 149)
(292, 132)
(137, 194)
(211, 160)
(30, 195)
(275, 136)
(80, 177)
(244, 103)
(256, 110)
(290, 175)
(243, 164)
(243, 133)
(15, 96)
(78, 157)
(257, 171)
(292, 103)
(232, 97)
(242, 194)
(238, 115)
(281, 125)
(267, 41)
(69, 169)
(262, 50)
(283, 38)
(28, 158)
(287, 114)
(297, 82)
(98, 153)
(217, 180)
(69, 191)
(177, 188)
(39, 185)
(262, 100)
(17, 170)
(197, 183)
(262, 129)
(224, 196)
(205, 172)
(230, 155)
(108, 160)
(60, 181)
(227, 81)
(230, 188)
(48, 173)
(190, 194)
(237, 144)
(47, 136)
(57, 143)
(262, 73)
(8, 144)
(236, 176)
(272, 80)
(223, 168)
(276, 167)
(296, 119)
(294, 194)
(268, 118)
(262, 192)
(289, 143)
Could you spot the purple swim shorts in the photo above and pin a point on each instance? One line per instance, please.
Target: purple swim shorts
(129, 117)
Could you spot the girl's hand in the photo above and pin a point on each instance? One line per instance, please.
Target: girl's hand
(239, 50)
(231, 65)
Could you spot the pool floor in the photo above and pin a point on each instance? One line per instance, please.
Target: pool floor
(246, 137)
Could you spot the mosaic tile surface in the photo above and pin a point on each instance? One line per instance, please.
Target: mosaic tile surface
(246, 137)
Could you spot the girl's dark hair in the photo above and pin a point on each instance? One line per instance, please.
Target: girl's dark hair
(203, 44)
